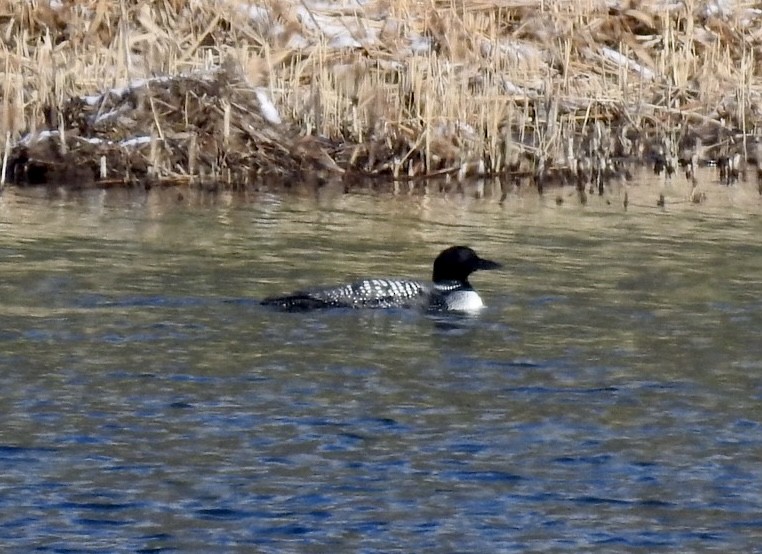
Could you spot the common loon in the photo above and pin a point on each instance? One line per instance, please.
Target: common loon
(449, 291)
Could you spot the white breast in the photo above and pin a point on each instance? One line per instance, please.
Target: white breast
(464, 301)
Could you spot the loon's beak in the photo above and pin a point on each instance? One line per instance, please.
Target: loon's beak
(481, 263)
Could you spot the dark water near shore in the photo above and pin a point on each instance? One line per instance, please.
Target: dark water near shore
(607, 400)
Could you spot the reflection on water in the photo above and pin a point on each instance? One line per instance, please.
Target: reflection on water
(607, 399)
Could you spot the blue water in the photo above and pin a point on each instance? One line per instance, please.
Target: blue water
(607, 400)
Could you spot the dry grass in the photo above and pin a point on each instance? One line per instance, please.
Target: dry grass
(224, 91)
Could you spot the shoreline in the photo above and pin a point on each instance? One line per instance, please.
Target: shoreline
(645, 194)
(379, 95)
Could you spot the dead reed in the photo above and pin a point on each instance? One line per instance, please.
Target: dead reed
(391, 92)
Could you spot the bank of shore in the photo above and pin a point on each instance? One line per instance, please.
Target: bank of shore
(381, 93)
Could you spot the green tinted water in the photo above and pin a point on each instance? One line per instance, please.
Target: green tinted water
(607, 399)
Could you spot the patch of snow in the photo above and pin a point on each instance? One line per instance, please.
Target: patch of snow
(106, 116)
(420, 44)
(92, 99)
(135, 141)
(93, 140)
(261, 18)
(624, 61)
(390, 65)
(750, 18)
(721, 8)
(454, 128)
(657, 5)
(258, 14)
(344, 40)
(297, 42)
(269, 111)
(326, 25)
(509, 87)
(32, 138)
(516, 51)
(337, 23)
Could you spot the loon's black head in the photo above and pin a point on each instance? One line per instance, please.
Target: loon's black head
(457, 263)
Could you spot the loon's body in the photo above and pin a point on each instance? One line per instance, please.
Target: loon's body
(449, 290)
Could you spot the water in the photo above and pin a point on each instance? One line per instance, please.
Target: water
(607, 400)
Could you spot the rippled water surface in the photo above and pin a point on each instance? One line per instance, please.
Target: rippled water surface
(608, 399)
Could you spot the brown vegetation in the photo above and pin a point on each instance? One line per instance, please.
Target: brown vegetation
(226, 92)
